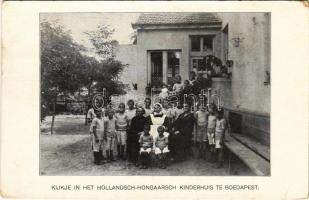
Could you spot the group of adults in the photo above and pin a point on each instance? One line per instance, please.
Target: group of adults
(180, 131)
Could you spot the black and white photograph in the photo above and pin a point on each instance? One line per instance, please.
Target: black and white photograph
(155, 94)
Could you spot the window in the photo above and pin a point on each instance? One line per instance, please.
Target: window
(198, 65)
(161, 62)
(202, 43)
(207, 42)
(195, 43)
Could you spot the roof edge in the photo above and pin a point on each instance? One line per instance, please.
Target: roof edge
(177, 26)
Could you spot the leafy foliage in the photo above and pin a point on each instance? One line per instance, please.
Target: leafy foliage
(101, 40)
(65, 67)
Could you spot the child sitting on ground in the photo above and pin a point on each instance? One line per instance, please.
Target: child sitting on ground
(161, 148)
(201, 131)
(110, 134)
(219, 136)
(211, 125)
(146, 144)
(122, 122)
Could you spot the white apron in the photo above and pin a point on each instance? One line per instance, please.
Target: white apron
(156, 122)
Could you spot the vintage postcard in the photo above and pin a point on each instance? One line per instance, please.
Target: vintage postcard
(164, 100)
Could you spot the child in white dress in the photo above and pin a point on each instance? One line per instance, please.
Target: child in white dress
(146, 144)
(161, 148)
(201, 130)
(219, 137)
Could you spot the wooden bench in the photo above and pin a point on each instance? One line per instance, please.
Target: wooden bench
(254, 155)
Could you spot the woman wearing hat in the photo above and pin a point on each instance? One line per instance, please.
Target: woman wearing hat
(182, 137)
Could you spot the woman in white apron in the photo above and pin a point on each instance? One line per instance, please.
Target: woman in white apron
(156, 119)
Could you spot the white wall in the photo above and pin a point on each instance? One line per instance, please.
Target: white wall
(251, 60)
(171, 40)
(136, 55)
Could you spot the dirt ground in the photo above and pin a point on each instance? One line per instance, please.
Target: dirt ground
(68, 152)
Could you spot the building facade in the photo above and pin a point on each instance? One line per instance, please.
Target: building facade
(171, 44)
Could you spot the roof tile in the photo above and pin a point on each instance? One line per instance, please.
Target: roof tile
(176, 18)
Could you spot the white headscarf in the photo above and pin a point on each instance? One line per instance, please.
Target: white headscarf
(161, 107)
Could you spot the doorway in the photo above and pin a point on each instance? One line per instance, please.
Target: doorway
(156, 68)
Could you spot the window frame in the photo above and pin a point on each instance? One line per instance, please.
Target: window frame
(202, 42)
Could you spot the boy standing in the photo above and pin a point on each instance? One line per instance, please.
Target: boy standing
(97, 130)
(131, 110)
(122, 122)
(161, 148)
(110, 134)
(146, 143)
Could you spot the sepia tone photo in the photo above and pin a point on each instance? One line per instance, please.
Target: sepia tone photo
(155, 94)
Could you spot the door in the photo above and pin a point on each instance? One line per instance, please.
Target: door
(173, 60)
(156, 68)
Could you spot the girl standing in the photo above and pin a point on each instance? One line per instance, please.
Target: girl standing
(219, 137)
(201, 130)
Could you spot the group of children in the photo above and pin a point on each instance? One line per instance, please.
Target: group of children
(210, 131)
(110, 128)
(160, 147)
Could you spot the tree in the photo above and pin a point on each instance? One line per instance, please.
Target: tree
(60, 65)
(102, 42)
(66, 66)
(106, 71)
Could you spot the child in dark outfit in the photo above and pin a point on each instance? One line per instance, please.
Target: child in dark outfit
(219, 137)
